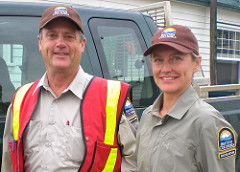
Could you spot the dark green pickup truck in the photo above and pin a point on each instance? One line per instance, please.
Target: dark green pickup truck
(116, 40)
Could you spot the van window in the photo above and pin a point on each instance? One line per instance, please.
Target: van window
(120, 47)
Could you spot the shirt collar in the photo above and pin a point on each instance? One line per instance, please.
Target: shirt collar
(156, 106)
(77, 86)
(80, 83)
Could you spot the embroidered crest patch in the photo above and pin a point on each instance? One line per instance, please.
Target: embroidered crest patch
(168, 33)
(226, 139)
(130, 112)
(60, 10)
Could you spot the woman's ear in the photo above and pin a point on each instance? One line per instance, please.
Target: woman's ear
(197, 63)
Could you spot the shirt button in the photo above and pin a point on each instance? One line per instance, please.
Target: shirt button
(52, 122)
(48, 144)
(44, 167)
(87, 139)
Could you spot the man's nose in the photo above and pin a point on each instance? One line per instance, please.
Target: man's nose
(60, 42)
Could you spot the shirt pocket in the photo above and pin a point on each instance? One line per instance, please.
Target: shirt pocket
(33, 137)
(74, 145)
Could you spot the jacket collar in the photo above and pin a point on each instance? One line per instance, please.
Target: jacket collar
(180, 107)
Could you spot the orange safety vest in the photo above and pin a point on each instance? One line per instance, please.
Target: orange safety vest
(101, 110)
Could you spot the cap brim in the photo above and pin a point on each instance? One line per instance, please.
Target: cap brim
(60, 16)
(171, 44)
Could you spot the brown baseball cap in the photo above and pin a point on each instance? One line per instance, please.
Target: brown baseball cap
(177, 36)
(54, 12)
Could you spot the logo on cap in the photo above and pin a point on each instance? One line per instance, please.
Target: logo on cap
(168, 33)
(60, 11)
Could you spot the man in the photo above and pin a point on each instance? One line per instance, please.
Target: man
(68, 120)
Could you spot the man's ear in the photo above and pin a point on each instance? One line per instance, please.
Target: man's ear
(83, 43)
(39, 43)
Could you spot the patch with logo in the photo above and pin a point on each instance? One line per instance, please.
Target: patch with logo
(60, 11)
(226, 139)
(227, 154)
(168, 33)
(130, 112)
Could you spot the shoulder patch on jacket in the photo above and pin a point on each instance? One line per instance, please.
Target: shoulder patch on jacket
(130, 112)
(226, 139)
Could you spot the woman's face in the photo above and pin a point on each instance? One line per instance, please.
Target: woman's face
(172, 69)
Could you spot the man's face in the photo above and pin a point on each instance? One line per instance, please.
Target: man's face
(173, 70)
(60, 46)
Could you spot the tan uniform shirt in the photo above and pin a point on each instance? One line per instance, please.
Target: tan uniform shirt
(53, 138)
(187, 139)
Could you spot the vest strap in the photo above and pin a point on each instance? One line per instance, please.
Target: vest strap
(113, 93)
(16, 107)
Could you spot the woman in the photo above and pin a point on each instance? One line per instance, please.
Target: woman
(180, 132)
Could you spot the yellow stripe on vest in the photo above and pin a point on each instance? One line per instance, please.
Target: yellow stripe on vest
(16, 107)
(111, 161)
(113, 92)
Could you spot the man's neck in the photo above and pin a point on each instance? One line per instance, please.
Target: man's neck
(60, 81)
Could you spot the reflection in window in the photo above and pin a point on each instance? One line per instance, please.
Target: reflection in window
(13, 54)
(20, 60)
(123, 54)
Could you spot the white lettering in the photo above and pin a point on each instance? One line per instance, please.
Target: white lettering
(226, 146)
(57, 12)
(167, 35)
(227, 154)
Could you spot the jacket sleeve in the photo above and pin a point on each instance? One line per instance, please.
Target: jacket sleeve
(127, 140)
(210, 156)
(7, 136)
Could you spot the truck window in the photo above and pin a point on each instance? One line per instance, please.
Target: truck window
(120, 46)
(20, 61)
